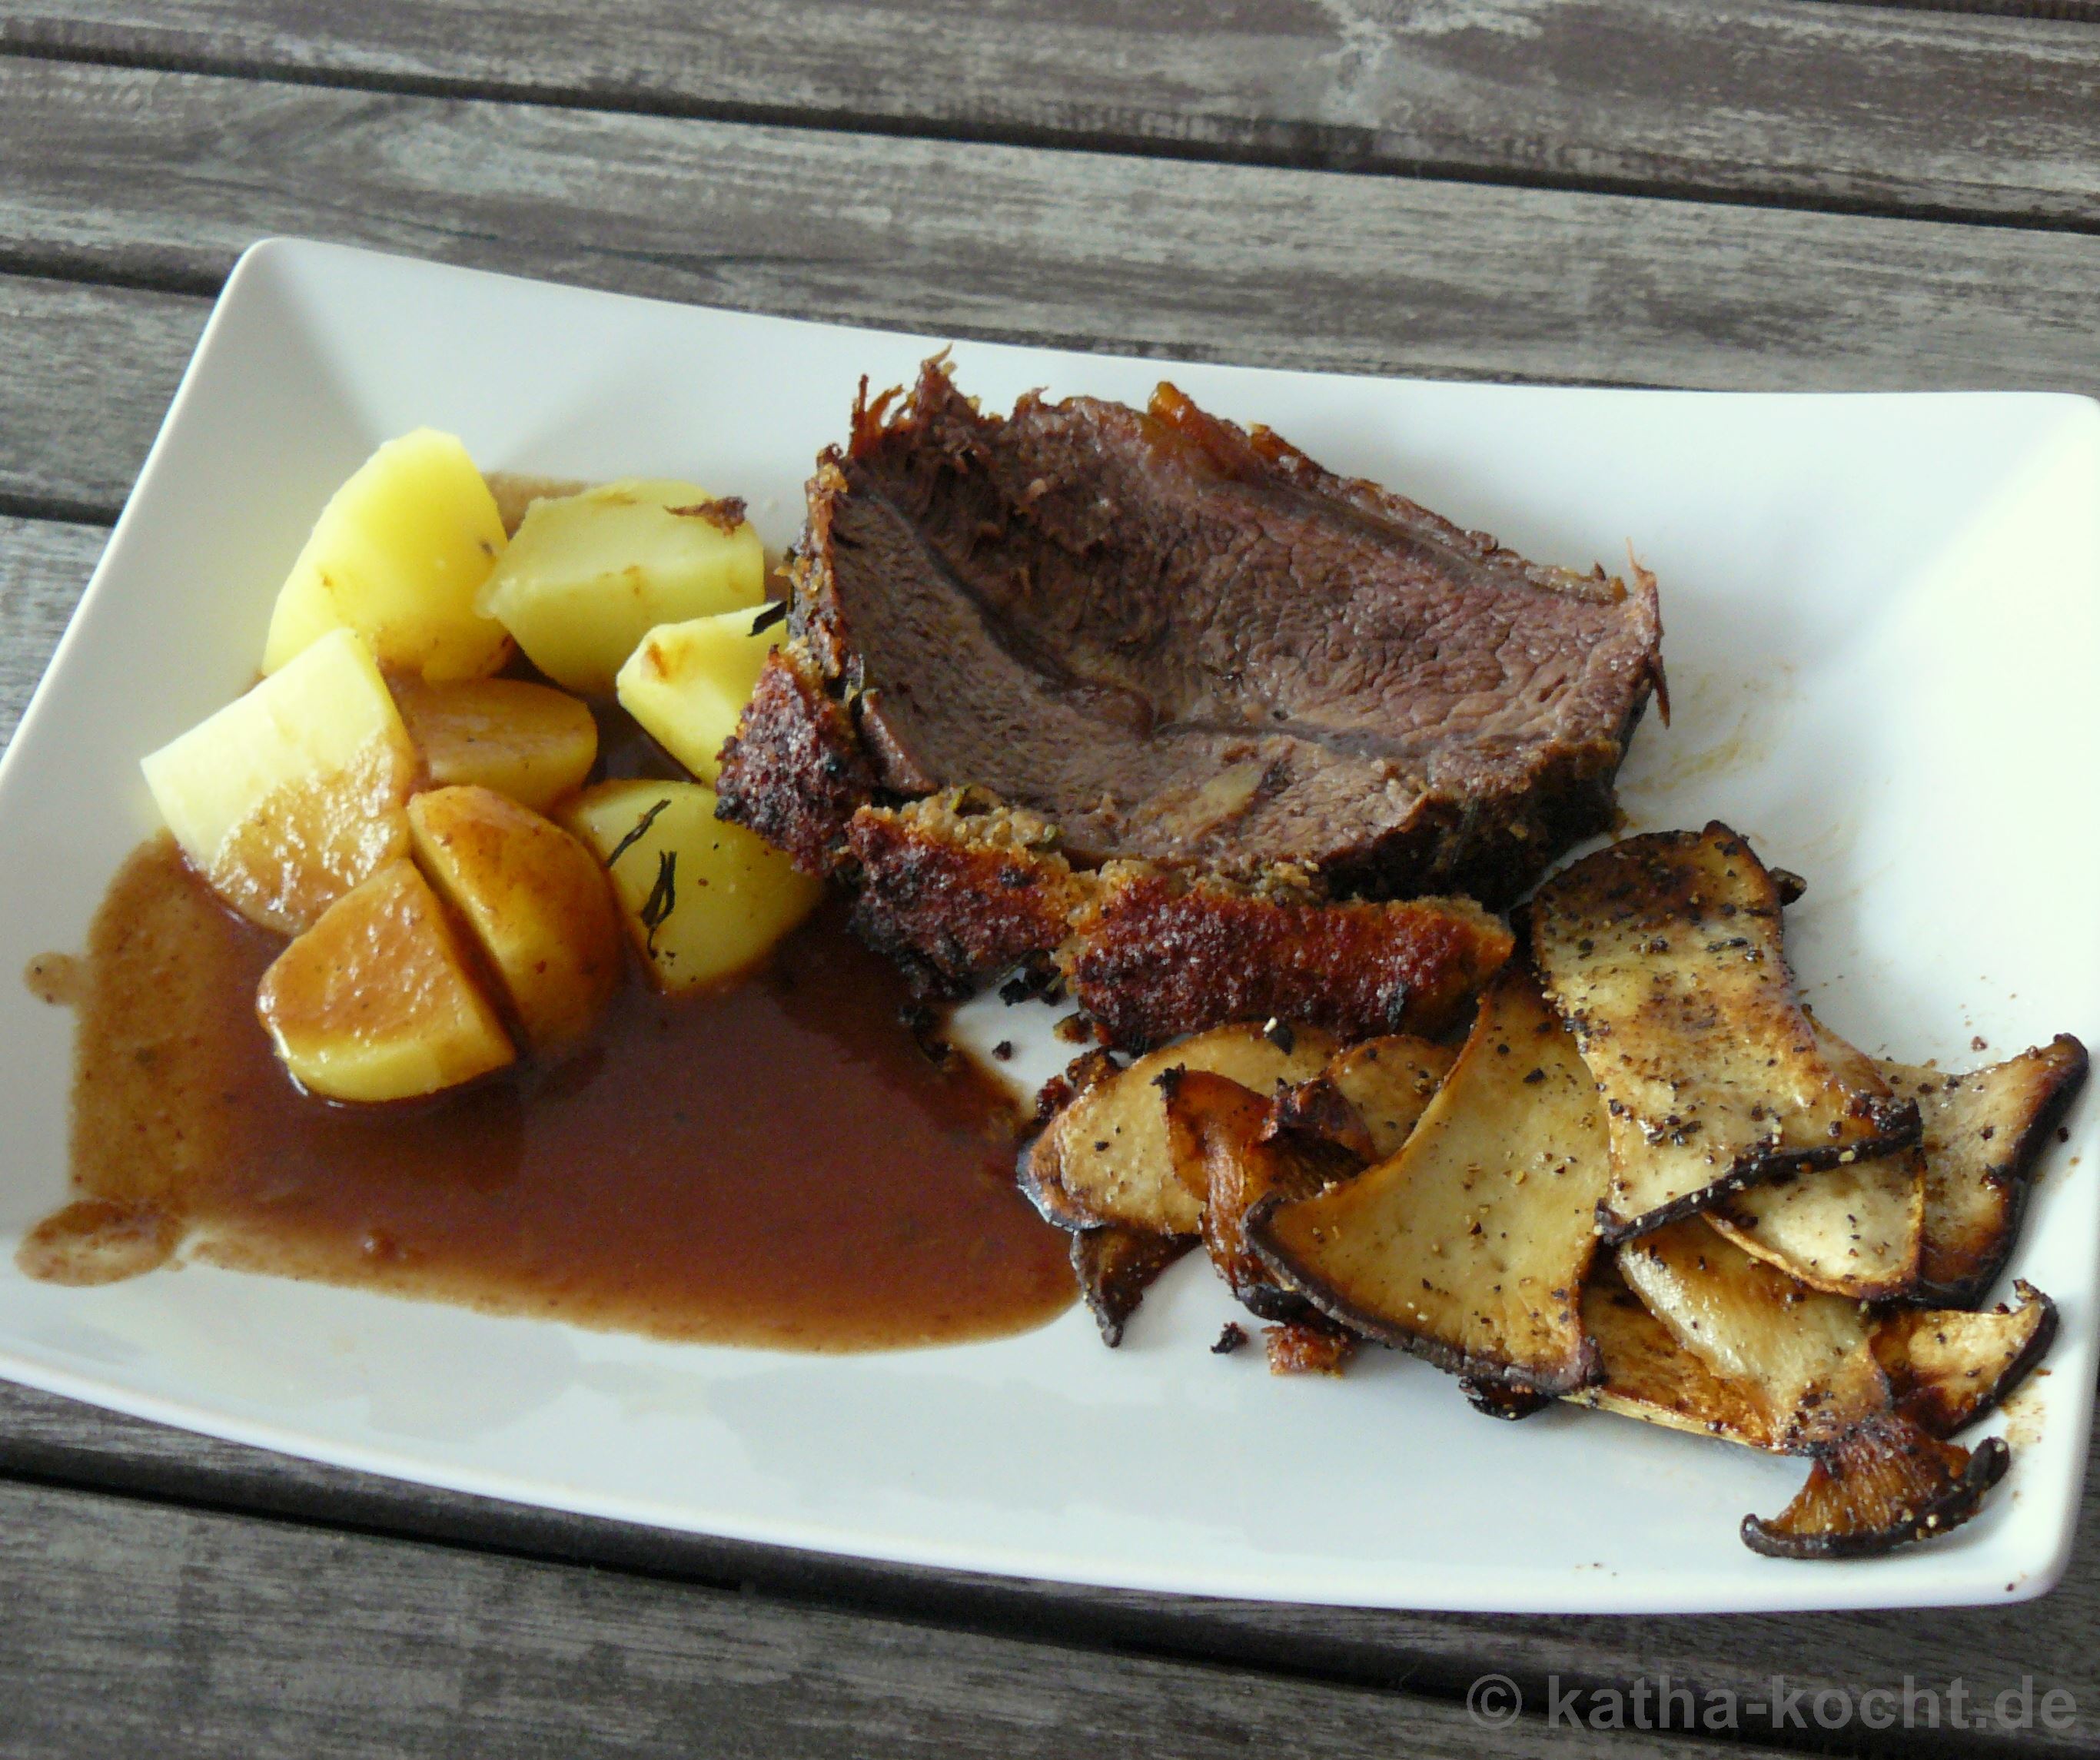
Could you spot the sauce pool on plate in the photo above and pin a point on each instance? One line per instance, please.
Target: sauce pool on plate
(774, 1164)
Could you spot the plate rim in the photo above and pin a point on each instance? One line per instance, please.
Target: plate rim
(254, 266)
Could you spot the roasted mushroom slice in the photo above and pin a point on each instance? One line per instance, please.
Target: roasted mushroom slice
(1663, 953)
(1104, 1157)
(1221, 1138)
(1879, 1479)
(1494, 1398)
(1944, 1369)
(1115, 1266)
(1983, 1132)
(1089, 1069)
(1648, 1375)
(1947, 1368)
(1854, 1229)
(1390, 1081)
(1368, 1098)
(1880, 1485)
(1318, 1108)
(1469, 1247)
(1805, 1353)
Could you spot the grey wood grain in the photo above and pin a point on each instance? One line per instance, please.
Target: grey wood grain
(1895, 110)
(85, 375)
(138, 1628)
(43, 566)
(137, 175)
(2051, 1643)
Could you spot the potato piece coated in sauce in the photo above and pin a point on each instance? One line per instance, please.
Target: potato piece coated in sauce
(535, 899)
(293, 794)
(378, 1001)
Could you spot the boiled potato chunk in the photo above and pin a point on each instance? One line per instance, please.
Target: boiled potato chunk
(535, 899)
(377, 1000)
(588, 575)
(530, 742)
(399, 554)
(702, 900)
(292, 794)
(687, 684)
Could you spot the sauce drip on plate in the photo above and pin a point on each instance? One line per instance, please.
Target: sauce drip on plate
(776, 1164)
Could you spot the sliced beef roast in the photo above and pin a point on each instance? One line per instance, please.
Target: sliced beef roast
(1173, 640)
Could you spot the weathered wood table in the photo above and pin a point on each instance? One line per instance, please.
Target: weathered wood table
(1727, 193)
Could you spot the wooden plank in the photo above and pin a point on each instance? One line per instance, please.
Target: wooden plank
(1891, 110)
(1990, 1650)
(138, 1628)
(139, 174)
(85, 380)
(43, 566)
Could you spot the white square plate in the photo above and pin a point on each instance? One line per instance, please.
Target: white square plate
(1880, 635)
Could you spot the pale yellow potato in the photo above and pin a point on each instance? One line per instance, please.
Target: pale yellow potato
(376, 1001)
(531, 742)
(702, 900)
(536, 900)
(399, 554)
(295, 792)
(687, 684)
(588, 575)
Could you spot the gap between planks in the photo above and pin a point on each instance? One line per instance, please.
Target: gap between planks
(2067, 11)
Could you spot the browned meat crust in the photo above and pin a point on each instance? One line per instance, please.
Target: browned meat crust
(1311, 1345)
(956, 889)
(794, 771)
(1159, 953)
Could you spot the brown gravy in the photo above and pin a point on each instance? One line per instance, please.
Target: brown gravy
(776, 1164)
